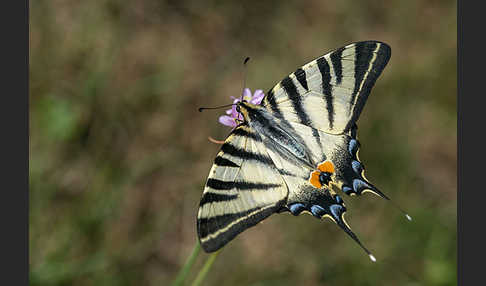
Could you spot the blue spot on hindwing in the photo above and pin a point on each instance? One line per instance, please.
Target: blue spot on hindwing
(347, 190)
(353, 147)
(359, 185)
(336, 211)
(318, 211)
(296, 208)
(357, 167)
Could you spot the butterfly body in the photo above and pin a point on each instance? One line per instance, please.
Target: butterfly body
(275, 133)
(296, 150)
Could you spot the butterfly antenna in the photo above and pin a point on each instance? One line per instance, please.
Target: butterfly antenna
(200, 109)
(247, 59)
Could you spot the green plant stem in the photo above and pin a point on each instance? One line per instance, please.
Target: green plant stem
(204, 271)
(187, 266)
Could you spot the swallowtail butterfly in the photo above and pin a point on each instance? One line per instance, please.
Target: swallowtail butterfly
(296, 150)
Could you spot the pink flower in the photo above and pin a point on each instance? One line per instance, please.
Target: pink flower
(232, 115)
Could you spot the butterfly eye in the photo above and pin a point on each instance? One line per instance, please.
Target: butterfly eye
(238, 108)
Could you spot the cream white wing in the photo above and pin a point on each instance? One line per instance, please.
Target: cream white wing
(329, 92)
(243, 188)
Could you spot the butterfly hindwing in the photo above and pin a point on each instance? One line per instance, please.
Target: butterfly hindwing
(342, 150)
(303, 196)
(243, 188)
(329, 92)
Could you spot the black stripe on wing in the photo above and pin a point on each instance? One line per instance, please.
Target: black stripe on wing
(363, 56)
(213, 224)
(209, 197)
(301, 77)
(365, 79)
(235, 224)
(242, 186)
(243, 131)
(296, 99)
(323, 66)
(228, 148)
(337, 64)
(270, 100)
(223, 162)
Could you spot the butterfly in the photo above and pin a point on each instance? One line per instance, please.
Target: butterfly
(296, 150)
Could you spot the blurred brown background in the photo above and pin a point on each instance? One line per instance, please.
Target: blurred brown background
(119, 154)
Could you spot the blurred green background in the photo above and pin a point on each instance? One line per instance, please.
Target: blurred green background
(119, 154)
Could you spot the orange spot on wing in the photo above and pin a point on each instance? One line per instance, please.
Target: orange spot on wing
(314, 179)
(327, 166)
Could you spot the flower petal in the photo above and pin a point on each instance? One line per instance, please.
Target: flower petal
(257, 96)
(247, 94)
(227, 120)
(234, 113)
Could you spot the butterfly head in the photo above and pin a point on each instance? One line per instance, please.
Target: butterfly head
(238, 108)
(246, 109)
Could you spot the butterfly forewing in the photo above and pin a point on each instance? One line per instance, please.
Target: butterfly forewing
(329, 92)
